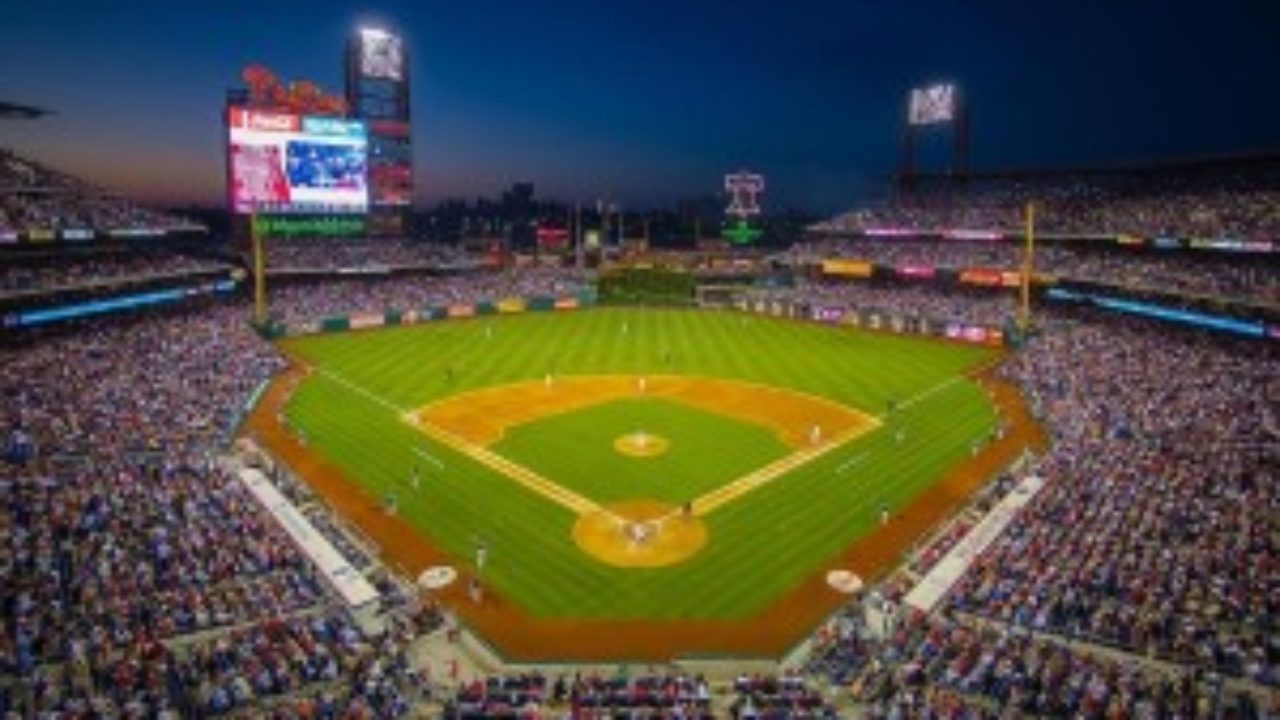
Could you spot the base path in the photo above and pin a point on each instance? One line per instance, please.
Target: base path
(481, 417)
(521, 637)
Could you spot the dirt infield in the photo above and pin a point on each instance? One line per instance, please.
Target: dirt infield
(481, 417)
(521, 637)
(639, 533)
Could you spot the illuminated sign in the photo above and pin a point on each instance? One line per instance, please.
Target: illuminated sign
(741, 233)
(124, 302)
(299, 98)
(916, 271)
(284, 226)
(983, 277)
(744, 190)
(847, 268)
(890, 232)
(972, 235)
(75, 234)
(282, 163)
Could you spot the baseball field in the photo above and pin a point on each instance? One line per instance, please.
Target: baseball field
(637, 464)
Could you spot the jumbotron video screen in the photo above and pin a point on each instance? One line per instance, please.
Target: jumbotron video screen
(284, 163)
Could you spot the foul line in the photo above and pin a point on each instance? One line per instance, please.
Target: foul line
(361, 391)
(521, 474)
(928, 393)
(725, 494)
(428, 457)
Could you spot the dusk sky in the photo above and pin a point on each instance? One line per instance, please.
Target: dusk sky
(652, 101)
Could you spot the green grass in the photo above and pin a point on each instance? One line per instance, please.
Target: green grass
(576, 450)
(760, 545)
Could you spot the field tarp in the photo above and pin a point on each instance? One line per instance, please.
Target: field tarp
(938, 581)
(345, 580)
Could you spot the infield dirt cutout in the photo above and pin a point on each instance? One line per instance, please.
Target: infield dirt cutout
(641, 533)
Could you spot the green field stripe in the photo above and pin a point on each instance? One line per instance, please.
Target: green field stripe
(760, 544)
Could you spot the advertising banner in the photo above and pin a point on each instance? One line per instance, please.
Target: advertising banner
(135, 232)
(960, 234)
(327, 226)
(77, 234)
(461, 310)
(566, 303)
(847, 268)
(828, 314)
(511, 305)
(982, 276)
(916, 272)
(359, 321)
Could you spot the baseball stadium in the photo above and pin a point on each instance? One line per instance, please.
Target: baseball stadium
(986, 442)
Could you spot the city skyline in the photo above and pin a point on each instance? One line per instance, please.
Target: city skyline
(648, 104)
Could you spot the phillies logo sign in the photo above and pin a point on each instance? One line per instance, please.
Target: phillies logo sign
(744, 189)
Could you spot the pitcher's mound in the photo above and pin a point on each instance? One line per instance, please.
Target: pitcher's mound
(639, 533)
(641, 444)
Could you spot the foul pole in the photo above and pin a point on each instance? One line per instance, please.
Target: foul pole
(1028, 264)
(259, 274)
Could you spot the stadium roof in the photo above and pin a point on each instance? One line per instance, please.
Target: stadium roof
(14, 111)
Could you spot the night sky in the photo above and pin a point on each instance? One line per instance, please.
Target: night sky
(652, 101)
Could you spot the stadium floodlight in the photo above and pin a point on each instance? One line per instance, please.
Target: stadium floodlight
(381, 54)
(932, 105)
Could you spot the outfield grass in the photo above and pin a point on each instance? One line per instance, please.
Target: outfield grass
(760, 545)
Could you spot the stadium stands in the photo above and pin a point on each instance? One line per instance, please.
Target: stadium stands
(36, 198)
(1243, 278)
(139, 578)
(304, 301)
(311, 255)
(1230, 197)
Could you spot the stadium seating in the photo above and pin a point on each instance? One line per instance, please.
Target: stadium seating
(34, 197)
(1211, 199)
(140, 578)
(1241, 278)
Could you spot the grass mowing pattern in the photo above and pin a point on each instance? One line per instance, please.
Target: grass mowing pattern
(760, 545)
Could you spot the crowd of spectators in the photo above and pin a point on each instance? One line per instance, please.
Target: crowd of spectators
(1227, 200)
(138, 577)
(1237, 277)
(34, 197)
(305, 301)
(1157, 530)
(788, 695)
(582, 696)
(312, 665)
(902, 300)
(80, 271)
(939, 666)
(296, 254)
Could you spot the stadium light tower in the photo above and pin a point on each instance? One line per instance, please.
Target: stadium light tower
(377, 89)
(938, 104)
